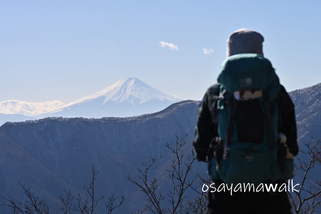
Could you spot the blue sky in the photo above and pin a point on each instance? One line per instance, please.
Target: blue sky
(64, 50)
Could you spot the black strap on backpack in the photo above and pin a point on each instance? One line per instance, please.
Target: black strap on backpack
(214, 111)
(215, 144)
(269, 120)
(217, 141)
(229, 105)
(282, 149)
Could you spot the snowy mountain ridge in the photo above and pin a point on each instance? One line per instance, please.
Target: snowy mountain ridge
(29, 108)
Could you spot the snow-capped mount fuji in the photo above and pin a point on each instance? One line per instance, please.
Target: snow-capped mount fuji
(127, 97)
(130, 90)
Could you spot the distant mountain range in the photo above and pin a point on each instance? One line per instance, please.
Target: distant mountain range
(127, 97)
(17, 111)
(11, 107)
(56, 154)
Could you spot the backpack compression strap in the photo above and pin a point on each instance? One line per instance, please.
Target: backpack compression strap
(228, 124)
(269, 120)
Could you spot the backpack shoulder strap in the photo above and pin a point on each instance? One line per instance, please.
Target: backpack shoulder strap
(228, 103)
(217, 93)
(269, 120)
(214, 95)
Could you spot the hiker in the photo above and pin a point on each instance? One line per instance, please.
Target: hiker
(246, 132)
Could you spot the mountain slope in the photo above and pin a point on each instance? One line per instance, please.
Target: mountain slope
(127, 97)
(307, 104)
(66, 149)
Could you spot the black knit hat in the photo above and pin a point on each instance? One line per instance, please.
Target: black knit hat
(244, 41)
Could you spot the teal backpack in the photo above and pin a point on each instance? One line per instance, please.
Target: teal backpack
(246, 115)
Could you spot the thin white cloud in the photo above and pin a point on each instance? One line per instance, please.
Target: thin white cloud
(208, 51)
(170, 45)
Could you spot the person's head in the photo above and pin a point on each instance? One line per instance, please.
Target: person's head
(244, 41)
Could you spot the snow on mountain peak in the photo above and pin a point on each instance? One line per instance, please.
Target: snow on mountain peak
(129, 89)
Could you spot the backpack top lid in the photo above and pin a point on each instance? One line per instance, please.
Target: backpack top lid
(249, 71)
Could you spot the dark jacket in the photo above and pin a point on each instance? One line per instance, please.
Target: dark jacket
(205, 130)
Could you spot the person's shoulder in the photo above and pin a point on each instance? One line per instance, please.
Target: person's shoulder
(284, 96)
(282, 89)
(214, 89)
(283, 92)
